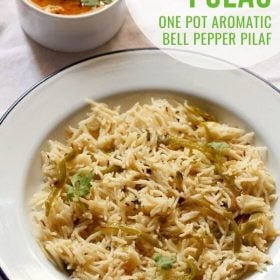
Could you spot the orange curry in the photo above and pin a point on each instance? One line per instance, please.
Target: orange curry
(64, 7)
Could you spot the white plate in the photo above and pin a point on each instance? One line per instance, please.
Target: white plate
(236, 96)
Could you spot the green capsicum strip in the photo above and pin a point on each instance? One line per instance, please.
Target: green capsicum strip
(58, 186)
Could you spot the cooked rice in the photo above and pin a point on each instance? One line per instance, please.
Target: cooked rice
(157, 207)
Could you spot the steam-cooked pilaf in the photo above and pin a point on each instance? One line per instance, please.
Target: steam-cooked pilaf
(158, 192)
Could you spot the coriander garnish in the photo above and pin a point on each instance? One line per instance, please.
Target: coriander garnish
(95, 3)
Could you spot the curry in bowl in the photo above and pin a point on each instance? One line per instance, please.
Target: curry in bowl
(71, 7)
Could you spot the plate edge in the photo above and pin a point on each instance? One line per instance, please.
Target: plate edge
(25, 93)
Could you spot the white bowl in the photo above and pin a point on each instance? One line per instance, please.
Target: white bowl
(71, 33)
(235, 97)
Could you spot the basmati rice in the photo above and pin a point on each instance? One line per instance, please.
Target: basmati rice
(161, 191)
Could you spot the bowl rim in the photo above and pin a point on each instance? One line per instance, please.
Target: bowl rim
(34, 7)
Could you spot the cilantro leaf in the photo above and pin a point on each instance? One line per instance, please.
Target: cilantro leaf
(218, 145)
(80, 185)
(95, 3)
(163, 261)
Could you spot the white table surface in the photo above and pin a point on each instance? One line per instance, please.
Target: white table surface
(24, 63)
